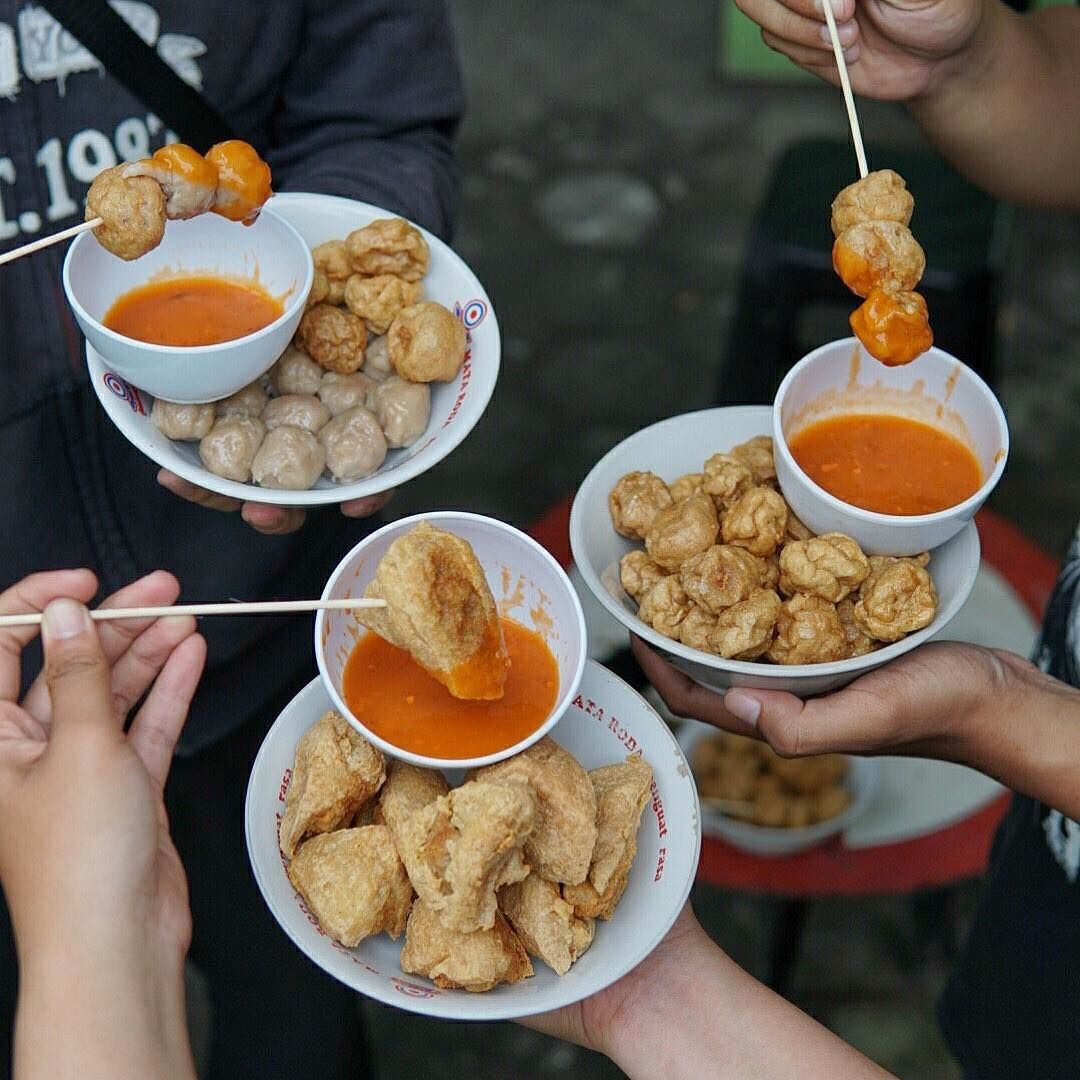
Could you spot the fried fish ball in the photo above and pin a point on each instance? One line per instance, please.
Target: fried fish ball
(720, 576)
(230, 446)
(185, 422)
(403, 410)
(881, 195)
(250, 400)
(635, 501)
(878, 254)
(895, 600)
(475, 962)
(290, 459)
(332, 260)
(133, 212)
(333, 338)
(695, 629)
(744, 631)
(408, 788)
(796, 530)
(830, 566)
(545, 922)
(665, 605)
(426, 343)
(770, 571)
(377, 358)
(188, 181)
(388, 246)
(335, 772)
(856, 643)
(377, 300)
(340, 393)
(687, 485)
(638, 573)
(560, 847)
(678, 532)
(830, 802)
(808, 631)
(353, 883)
(727, 478)
(320, 289)
(770, 803)
(757, 454)
(336, 293)
(243, 180)
(296, 373)
(296, 410)
(893, 326)
(354, 443)
(757, 521)
(808, 775)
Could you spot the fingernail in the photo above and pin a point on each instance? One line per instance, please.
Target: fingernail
(851, 54)
(65, 619)
(845, 32)
(743, 707)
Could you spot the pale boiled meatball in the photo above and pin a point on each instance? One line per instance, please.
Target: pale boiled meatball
(896, 599)
(389, 246)
(695, 630)
(744, 631)
(133, 211)
(320, 289)
(808, 631)
(427, 343)
(879, 196)
(878, 254)
(726, 479)
(333, 338)
(403, 410)
(856, 643)
(757, 455)
(290, 459)
(686, 485)
(230, 447)
(756, 521)
(340, 393)
(682, 531)
(831, 566)
(296, 410)
(332, 260)
(249, 401)
(354, 443)
(720, 577)
(377, 358)
(638, 573)
(185, 422)
(635, 501)
(377, 300)
(665, 606)
(296, 373)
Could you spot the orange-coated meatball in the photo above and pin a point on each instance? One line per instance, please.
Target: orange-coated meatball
(893, 327)
(243, 183)
(878, 254)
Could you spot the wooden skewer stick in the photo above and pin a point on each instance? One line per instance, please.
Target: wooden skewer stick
(48, 241)
(262, 607)
(845, 85)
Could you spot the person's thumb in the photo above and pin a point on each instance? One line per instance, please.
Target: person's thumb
(76, 671)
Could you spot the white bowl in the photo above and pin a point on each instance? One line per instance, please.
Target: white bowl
(270, 251)
(607, 721)
(936, 389)
(680, 445)
(529, 586)
(455, 406)
(861, 782)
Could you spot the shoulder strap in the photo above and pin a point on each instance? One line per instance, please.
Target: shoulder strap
(140, 70)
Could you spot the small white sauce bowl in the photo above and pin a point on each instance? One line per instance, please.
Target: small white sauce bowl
(529, 587)
(936, 389)
(270, 252)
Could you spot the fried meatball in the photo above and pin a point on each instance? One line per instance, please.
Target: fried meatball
(320, 289)
(770, 571)
(856, 643)
(354, 443)
(665, 606)
(688, 484)
(756, 521)
(796, 530)
(188, 423)
(720, 577)
(896, 599)
(231, 445)
(339, 393)
(745, 630)
(389, 246)
(248, 401)
(333, 338)
(893, 326)
(757, 455)
(336, 295)
(878, 254)
(295, 373)
(879, 196)
(638, 573)
(377, 358)
(808, 631)
(402, 409)
(296, 410)
(426, 343)
(682, 530)
(830, 566)
(133, 212)
(635, 501)
(727, 479)
(377, 300)
(332, 259)
(290, 459)
(695, 629)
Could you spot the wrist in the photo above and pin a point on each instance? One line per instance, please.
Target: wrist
(960, 77)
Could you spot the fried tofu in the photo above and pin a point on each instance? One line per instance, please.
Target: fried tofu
(407, 789)
(545, 922)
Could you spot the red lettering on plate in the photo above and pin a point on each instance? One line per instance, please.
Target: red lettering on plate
(284, 785)
(660, 864)
(466, 375)
(578, 703)
(658, 810)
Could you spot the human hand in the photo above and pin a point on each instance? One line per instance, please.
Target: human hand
(262, 517)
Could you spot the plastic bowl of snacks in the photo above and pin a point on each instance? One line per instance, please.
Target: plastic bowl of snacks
(743, 594)
(769, 805)
(419, 564)
(627, 831)
(848, 419)
(367, 401)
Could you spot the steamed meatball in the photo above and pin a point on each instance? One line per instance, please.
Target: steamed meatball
(427, 343)
(682, 531)
(377, 300)
(856, 642)
(638, 573)
(230, 447)
(377, 358)
(290, 459)
(296, 373)
(320, 289)
(896, 599)
(389, 246)
(133, 212)
(687, 485)
(878, 254)
(726, 479)
(720, 577)
(333, 338)
(186, 422)
(696, 628)
(665, 606)
(340, 393)
(635, 501)
(757, 521)
(296, 410)
(744, 631)
(402, 409)
(757, 455)
(354, 443)
(830, 566)
(332, 260)
(250, 401)
(808, 631)
(879, 196)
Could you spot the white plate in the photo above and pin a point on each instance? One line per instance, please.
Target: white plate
(455, 406)
(606, 720)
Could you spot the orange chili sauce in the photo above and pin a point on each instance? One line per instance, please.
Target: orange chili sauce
(186, 311)
(392, 695)
(887, 464)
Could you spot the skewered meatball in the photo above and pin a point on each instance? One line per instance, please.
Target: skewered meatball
(744, 631)
(354, 443)
(687, 485)
(248, 401)
(187, 179)
(894, 327)
(243, 180)
(808, 631)
(638, 574)
(320, 289)
(185, 422)
(665, 606)
(720, 577)
(427, 343)
(377, 300)
(830, 566)
(681, 531)
(402, 409)
(377, 358)
(296, 373)
(726, 479)
(389, 246)
(635, 501)
(296, 410)
(696, 628)
(878, 254)
(339, 393)
(897, 598)
(757, 455)
(133, 212)
(230, 447)
(878, 196)
(290, 459)
(756, 521)
(332, 259)
(333, 338)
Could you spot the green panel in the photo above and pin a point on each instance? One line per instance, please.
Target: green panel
(742, 53)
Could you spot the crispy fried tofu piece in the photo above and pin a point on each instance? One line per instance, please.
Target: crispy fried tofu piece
(335, 772)
(354, 883)
(545, 922)
(407, 789)
(476, 961)
(440, 610)
(561, 846)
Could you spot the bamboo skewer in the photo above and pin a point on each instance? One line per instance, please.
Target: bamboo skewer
(262, 607)
(48, 241)
(845, 85)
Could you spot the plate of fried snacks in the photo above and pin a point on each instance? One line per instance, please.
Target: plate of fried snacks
(769, 805)
(491, 894)
(393, 363)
